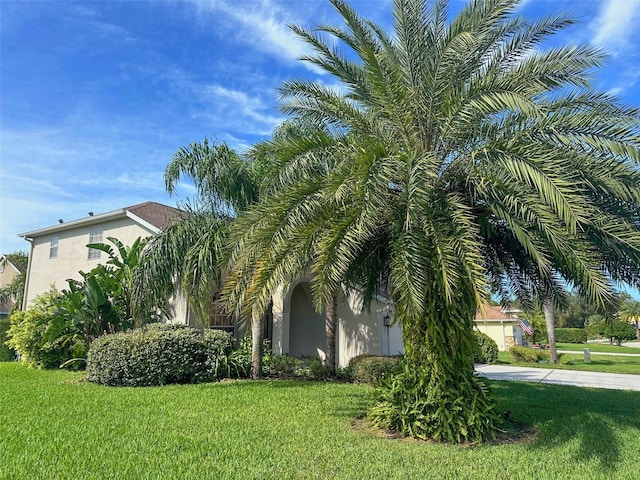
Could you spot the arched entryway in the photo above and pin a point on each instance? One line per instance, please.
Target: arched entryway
(307, 335)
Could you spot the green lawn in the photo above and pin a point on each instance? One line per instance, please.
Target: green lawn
(54, 427)
(597, 347)
(568, 361)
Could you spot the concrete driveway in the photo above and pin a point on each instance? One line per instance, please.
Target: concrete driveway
(616, 381)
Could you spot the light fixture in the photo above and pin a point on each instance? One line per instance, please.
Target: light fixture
(387, 320)
(91, 214)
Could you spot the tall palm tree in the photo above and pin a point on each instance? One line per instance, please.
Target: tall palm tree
(448, 140)
(188, 256)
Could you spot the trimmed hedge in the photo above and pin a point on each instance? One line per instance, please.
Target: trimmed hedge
(524, 354)
(155, 354)
(486, 348)
(372, 369)
(571, 335)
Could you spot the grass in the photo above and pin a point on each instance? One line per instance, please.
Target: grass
(597, 347)
(54, 427)
(568, 361)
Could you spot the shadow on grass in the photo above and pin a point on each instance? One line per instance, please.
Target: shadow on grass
(595, 418)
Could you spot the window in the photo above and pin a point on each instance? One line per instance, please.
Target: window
(219, 319)
(53, 247)
(95, 236)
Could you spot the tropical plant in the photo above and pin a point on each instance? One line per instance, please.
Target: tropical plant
(455, 154)
(27, 335)
(118, 272)
(188, 256)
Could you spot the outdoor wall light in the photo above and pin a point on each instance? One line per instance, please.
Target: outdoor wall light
(387, 320)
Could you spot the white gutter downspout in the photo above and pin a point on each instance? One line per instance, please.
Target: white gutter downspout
(28, 274)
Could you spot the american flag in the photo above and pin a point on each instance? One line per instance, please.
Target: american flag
(526, 326)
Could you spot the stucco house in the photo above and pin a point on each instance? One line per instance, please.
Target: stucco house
(502, 325)
(60, 251)
(8, 272)
(294, 327)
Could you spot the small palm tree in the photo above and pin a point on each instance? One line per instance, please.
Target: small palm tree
(454, 154)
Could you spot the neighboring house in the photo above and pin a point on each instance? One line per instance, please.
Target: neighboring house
(8, 272)
(502, 325)
(59, 252)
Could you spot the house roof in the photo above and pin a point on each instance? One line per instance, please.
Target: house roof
(152, 215)
(496, 312)
(157, 214)
(5, 259)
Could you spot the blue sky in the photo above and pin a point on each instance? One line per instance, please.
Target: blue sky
(95, 97)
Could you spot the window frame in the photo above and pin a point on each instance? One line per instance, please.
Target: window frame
(95, 236)
(54, 243)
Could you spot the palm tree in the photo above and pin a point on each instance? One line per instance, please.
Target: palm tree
(188, 256)
(448, 140)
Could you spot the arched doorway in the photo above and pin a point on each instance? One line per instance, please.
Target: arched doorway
(307, 335)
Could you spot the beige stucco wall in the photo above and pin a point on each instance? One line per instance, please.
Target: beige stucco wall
(72, 254)
(7, 274)
(359, 330)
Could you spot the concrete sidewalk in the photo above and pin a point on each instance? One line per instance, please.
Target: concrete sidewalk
(616, 381)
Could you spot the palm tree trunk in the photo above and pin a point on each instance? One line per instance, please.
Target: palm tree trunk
(331, 323)
(256, 347)
(439, 349)
(551, 332)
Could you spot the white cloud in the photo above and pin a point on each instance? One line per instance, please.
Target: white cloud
(263, 25)
(615, 26)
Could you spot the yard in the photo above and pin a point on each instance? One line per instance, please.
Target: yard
(52, 425)
(600, 361)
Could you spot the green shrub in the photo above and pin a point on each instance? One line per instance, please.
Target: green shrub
(408, 404)
(285, 366)
(6, 354)
(317, 369)
(486, 348)
(620, 331)
(311, 368)
(224, 361)
(571, 335)
(372, 369)
(244, 352)
(156, 354)
(219, 342)
(524, 354)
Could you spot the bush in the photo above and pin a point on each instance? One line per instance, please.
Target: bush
(223, 359)
(6, 353)
(311, 368)
(156, 354)
(486, 349)
(571, 335)
(524, 354)
(286, 366)
(372, 369)
(620, 331)
(407, 403)
(26, 336)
